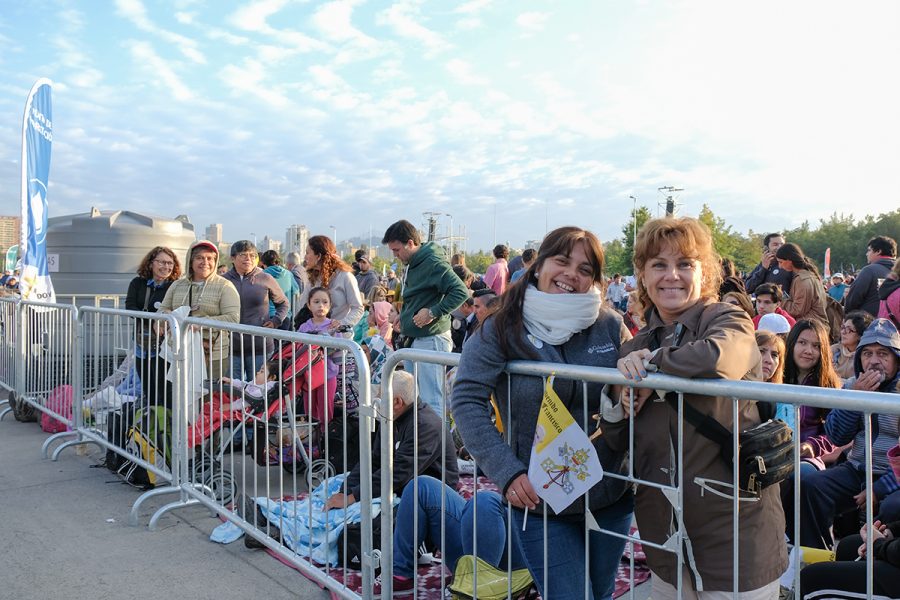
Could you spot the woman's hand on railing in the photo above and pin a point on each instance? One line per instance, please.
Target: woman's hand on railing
(634, 364)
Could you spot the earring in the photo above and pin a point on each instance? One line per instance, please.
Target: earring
(536, 274)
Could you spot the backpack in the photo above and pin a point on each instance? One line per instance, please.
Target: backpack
(835, 314)
(60, 402)
(492, 583)
(147, 438)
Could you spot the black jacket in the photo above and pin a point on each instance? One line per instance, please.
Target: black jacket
(138, 299)
(863, 294)
(430, 452)
(773, 274)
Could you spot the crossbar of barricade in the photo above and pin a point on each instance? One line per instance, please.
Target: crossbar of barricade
(866, 403)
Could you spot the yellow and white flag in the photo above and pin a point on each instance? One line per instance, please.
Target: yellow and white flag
(564, 464)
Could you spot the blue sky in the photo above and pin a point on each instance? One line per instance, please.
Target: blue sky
(509, 115)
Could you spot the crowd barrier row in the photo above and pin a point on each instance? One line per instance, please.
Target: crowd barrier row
(252, 459)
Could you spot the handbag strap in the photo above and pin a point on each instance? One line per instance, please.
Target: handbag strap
(705, 425)
(147, 298)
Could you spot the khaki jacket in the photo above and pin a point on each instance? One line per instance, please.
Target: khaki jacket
(807, 298)
(717, 342)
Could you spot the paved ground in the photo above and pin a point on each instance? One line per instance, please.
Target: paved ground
(65, 534)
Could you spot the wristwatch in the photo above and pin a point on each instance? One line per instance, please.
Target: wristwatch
(431, 315)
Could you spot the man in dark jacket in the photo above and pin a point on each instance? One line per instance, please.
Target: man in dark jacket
(863, 295)
(432, 456)
(256, 289)
(431, 291)
(366, 278)
(768, 271)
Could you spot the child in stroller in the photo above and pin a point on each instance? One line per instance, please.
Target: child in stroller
(268, 406)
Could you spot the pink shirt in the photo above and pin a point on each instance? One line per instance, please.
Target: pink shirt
(496, 276)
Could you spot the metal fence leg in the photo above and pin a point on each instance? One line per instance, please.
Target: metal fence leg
(136, 507)
(45, 447)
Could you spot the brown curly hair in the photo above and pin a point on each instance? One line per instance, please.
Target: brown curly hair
(329, 261)
(146, 271)
(686, 235)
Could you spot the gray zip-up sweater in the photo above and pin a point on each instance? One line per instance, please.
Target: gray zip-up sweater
(481, 374)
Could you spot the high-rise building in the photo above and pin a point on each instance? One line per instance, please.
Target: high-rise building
(9, 232)
(296, 239)
(214, 233)
(268, 243)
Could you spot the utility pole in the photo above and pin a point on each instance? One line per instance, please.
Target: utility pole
(670, 199)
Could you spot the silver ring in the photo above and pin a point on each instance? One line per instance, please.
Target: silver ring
(514, 493)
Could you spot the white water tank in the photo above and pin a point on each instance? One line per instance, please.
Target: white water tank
(98, 252)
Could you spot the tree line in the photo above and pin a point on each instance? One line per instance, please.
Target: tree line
(845, 235)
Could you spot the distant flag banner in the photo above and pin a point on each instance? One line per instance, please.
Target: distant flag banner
(564, 464)
(827, 262)
(37, 137)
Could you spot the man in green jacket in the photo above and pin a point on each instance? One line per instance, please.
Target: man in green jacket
(431, 291)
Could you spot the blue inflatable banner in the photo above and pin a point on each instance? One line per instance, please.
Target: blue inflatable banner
(37, 137)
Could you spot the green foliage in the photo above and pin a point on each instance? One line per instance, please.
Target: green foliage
(845, 236)
(642, 215)
(616, 261)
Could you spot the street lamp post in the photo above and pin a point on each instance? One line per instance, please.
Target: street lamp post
(334, 233)
(451, 233)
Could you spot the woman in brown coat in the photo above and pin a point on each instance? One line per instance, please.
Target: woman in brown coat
(807, 294)
(688, 334)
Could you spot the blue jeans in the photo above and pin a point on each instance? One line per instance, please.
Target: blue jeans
(566, 551)
(459, 517)
(431, 378)
(244, 367)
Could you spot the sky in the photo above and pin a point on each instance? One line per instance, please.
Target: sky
(510, 115)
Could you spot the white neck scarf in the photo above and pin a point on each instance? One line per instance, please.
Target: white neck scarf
(554, 318)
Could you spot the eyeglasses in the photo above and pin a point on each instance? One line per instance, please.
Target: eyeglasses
(246, 255)
(164, 263)
(849, 330)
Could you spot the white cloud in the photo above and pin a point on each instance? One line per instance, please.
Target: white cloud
(159, 70)
(401, 17)
(249, 79)
(254, 17)
(136, 12)
(472, 6)
(462, 72)
(532, 22)
(334, 21)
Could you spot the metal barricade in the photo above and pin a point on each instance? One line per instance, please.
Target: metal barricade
(9, 329)
(253, 434)
(866, 403)
(122, 400)
(44, 359)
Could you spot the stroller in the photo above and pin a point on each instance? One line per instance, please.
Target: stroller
(282, 434)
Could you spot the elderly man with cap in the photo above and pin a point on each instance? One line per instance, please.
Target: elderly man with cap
(256, 289)
(826, 494)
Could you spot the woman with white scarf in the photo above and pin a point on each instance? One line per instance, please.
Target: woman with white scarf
(553, 313)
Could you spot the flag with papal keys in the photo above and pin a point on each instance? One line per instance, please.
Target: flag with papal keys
(37, 137)
(564, 464)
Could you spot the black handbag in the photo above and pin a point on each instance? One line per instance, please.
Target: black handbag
(765, 454)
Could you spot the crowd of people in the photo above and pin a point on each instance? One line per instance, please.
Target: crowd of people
(684, 312)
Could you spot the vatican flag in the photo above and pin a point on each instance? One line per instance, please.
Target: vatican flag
(564, 464)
